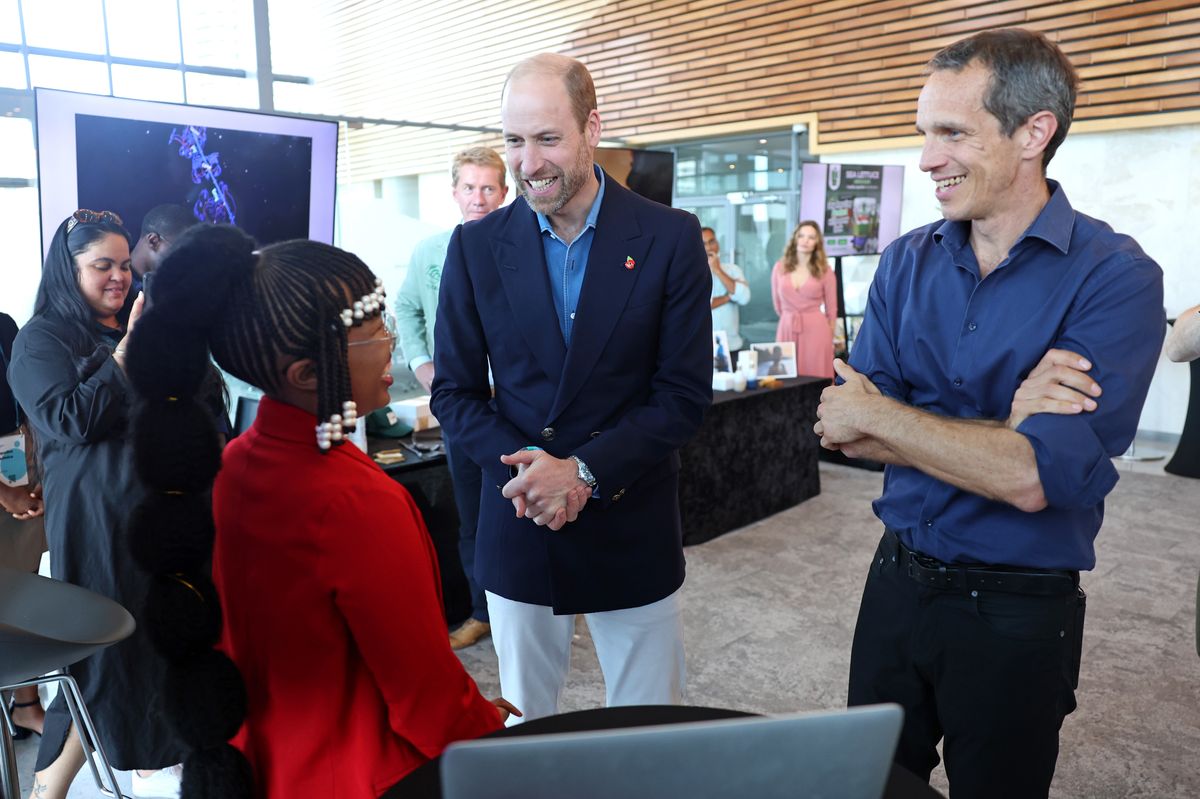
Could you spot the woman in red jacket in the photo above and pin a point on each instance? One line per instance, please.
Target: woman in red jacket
(324, 569)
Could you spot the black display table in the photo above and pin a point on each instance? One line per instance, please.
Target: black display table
(1186, 460)
(425, 782)
(755, 455)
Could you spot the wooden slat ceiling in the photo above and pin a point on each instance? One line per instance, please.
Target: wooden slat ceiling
(667, 66)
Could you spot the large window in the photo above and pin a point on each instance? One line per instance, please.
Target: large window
(195, 51)
(203, 52)
(747, 190)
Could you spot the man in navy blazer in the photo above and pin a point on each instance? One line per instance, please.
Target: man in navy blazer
(591, 305)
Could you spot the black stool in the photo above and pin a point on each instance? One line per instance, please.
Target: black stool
(46, 625)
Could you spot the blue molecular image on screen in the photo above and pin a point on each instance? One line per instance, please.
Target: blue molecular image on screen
(215, 203)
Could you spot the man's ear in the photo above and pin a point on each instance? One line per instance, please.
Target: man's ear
(155, 241)
(1038, 130)
(301, 375)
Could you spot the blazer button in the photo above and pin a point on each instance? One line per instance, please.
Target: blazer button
(548, 434)
(616, 497)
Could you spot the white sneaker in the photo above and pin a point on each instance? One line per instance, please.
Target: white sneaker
(161, 784)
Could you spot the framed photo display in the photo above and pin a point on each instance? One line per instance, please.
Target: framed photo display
(776, 358)
(721, 360)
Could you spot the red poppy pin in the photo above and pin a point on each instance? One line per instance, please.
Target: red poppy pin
(629, 262)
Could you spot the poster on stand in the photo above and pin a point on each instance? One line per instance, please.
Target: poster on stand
(857, 205)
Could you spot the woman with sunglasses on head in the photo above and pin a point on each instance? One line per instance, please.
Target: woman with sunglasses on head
(67, 374)
(322, 568)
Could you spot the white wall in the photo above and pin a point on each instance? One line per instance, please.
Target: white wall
(381, 221)
(22, 268)
(1145, 183)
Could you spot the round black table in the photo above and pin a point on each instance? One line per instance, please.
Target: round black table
(425, 782)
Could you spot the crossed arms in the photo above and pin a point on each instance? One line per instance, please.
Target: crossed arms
(856, 418)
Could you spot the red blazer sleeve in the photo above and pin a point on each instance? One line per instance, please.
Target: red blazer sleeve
(381, 566)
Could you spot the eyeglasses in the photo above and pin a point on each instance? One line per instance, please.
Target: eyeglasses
(389, 327)
(88, 217)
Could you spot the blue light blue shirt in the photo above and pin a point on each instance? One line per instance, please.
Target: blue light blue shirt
(567, 262)
(937, 337)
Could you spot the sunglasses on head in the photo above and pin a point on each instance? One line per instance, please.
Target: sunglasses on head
(88, 217)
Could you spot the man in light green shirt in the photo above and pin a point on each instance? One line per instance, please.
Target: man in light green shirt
(477, 178)
(416, 305)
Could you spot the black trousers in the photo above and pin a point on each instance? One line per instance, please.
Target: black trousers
(992, 673)
(467, 479)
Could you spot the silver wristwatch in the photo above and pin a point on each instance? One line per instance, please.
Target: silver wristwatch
(585, 474)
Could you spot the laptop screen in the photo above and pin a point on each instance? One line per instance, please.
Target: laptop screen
(844, 755)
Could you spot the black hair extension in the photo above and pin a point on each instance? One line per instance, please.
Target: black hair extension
(255, 311)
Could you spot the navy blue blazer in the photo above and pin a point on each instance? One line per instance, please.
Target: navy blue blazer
(628, 393)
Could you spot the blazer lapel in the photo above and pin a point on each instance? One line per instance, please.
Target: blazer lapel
(606, 287)
(521, 261)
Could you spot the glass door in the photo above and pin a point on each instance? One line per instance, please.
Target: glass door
(761, 231)
(746, 190)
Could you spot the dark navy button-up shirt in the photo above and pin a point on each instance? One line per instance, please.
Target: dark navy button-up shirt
(938, 338)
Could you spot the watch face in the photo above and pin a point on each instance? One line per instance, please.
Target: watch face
(584, 473)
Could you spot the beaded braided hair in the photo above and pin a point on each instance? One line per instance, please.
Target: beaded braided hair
(302, 298)
(254, 310)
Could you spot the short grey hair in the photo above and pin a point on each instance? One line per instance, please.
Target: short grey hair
(1029, 74)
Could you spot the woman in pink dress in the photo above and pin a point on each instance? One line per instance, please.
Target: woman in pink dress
(801, 284)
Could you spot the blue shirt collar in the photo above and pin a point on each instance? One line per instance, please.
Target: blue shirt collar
(1053, 224)
(590, 222)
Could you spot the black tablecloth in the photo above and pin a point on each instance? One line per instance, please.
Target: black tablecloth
(755, 455)
(1186, 460)
(425, 782)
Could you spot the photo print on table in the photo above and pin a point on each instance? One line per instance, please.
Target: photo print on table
(776, 358)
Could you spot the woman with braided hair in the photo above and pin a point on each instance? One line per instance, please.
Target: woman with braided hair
(344, 680)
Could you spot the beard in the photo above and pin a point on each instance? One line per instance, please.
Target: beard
(570, 181)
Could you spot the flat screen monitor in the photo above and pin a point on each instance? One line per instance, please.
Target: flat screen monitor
(273, 176)
(650, 173)
(857, 205)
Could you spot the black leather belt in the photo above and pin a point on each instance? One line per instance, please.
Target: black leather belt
(963, 577)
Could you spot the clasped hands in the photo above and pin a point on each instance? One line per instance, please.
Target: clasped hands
(22, 503)
(546, 489)
(1058, 384)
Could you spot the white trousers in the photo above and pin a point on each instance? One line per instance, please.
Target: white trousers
(640, 652)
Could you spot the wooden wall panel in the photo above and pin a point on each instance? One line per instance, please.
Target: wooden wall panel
(666, 68)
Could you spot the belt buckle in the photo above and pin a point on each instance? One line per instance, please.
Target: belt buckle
(932, 573)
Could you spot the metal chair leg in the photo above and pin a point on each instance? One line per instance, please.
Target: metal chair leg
(106, 780)
(10, 782)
